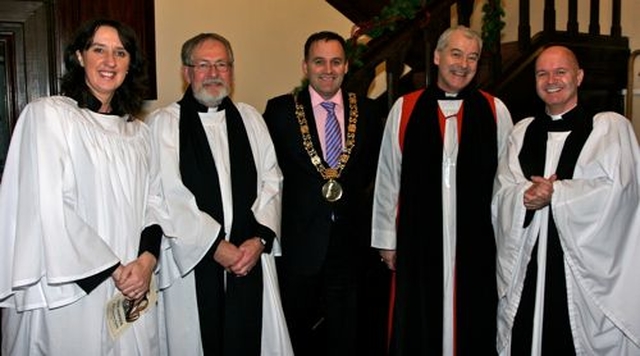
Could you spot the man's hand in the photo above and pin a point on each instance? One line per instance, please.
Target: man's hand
(389, 258)
(227, 254)
(252, 249)
(539, 194)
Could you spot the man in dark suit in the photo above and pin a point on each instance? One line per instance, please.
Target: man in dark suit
(327, 201)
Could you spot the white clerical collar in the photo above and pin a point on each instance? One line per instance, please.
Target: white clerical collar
(556, 117)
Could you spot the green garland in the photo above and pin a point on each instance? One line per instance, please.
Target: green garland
(401, 10)
(492, 24)
(395, 12)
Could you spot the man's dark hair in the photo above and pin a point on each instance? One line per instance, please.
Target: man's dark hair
(322, 36)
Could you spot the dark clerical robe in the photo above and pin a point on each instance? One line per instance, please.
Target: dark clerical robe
(434, 184)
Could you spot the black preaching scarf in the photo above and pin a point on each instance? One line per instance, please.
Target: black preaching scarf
(556, 330)
(231, 320)
(418, 314)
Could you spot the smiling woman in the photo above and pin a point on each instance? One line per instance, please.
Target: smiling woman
(106, 63)
(32, 38)
(75, 195)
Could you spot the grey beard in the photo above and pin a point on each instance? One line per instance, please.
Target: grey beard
(208, 100)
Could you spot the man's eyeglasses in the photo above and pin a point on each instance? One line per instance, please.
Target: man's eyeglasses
(205, 67)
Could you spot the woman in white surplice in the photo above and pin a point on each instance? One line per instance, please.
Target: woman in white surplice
(78, 213)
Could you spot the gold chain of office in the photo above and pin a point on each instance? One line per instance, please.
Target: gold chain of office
(329, 173)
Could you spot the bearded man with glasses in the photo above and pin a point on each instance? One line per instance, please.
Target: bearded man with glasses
(222, 186)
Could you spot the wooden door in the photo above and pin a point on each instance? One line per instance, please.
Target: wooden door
(26, 65)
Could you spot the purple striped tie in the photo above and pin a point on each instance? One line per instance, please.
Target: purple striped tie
(332, 138)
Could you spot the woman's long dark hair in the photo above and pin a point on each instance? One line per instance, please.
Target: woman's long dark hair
(129, 97)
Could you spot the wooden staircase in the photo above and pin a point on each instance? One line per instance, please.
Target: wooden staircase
(509, 73)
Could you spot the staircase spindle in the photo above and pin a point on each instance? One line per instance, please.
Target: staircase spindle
(616, 28)
(524, 26)
(594, 23)
(572, 24)
(549, 16)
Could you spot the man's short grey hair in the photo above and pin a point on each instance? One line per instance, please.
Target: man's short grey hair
(190, 45)
(443, 41)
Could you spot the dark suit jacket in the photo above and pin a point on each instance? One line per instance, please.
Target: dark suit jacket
(306, 216)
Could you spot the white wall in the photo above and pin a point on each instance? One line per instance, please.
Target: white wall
(267, 37)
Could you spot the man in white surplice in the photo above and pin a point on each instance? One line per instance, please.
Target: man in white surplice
(219, 291)
(566, 213)
(439, 154)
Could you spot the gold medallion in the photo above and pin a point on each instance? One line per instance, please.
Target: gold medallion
(332, 190)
